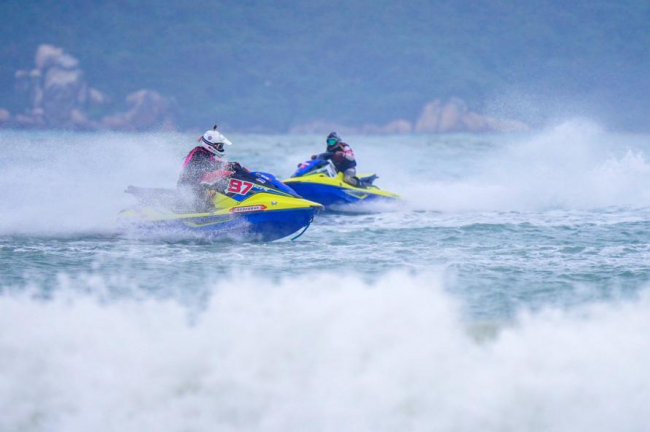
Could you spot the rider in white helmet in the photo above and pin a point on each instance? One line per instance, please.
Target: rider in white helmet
(204, 167)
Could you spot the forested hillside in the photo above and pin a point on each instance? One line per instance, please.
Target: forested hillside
(271, 65)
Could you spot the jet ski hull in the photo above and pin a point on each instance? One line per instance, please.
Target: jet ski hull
(262, 226)
(336, 196)
(329, 189)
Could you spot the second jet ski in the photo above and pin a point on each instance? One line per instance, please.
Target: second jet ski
(318, 181)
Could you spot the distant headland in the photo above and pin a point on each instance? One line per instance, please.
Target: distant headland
(58, 96)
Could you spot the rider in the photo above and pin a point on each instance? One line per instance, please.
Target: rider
(204, 168)
(343, 159)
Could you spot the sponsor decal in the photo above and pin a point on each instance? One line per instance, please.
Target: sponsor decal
(245, 209)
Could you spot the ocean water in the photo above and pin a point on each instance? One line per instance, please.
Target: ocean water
(507, 292)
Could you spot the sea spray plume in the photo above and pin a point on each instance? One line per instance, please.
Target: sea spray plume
(75, 182)
(69, 183)
(332, 352)
(575, 165)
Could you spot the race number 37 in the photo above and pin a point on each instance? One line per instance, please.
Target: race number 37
(239, 187)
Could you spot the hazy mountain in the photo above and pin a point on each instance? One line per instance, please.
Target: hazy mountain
(258, 65)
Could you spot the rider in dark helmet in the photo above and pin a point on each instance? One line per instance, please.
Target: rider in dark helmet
(342, 156)
(204, 167)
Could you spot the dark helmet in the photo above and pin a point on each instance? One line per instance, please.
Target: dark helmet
(333, 139)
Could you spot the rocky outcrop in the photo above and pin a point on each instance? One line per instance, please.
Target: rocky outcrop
(147, 110)
(56, 91)
(436, 117)
(59, 97)
(5, 117)
(48, 56)
(455, 116)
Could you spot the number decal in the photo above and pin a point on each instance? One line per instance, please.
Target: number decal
(247, 187)
(239, 187)
(234, 186)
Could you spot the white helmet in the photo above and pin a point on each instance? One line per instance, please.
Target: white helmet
(213, 141)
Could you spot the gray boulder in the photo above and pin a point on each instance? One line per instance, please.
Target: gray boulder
(5, 117)
(147, 110)
(28, 84)
(97, 99)
(57, 93)
(455, 116)
(47, 56)
(58, 96)
(63, 91)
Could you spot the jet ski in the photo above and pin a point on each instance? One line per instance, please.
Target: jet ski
(247, 206)
(317, 180)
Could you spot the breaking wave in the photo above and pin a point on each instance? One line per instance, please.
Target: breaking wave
(331, 352)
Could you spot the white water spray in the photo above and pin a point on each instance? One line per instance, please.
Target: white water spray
(331, 352)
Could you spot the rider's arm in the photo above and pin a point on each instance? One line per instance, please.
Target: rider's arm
(235, 166)
(212, 177)
(218, 170)
(326, 155)
(348, 153)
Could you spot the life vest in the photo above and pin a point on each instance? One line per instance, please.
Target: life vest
(343, 157)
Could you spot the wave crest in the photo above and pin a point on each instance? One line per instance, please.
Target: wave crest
(325, 352)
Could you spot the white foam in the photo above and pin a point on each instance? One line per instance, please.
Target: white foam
(74, 182)
(316, 353)
(575, 165)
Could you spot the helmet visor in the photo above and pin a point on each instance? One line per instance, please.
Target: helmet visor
(332, 141)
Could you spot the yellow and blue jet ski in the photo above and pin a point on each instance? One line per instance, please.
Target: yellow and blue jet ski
(248, 207)
(317, 180)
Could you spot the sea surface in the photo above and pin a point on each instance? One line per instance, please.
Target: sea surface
(507, 292)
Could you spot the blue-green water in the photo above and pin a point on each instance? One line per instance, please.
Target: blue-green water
(507, 291)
